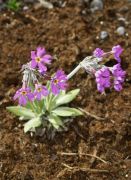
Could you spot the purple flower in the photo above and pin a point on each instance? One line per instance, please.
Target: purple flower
(23, 95)
(39, 58)
(40, 91)
(98, 53)
(119, 76)
(117, 50)
(58, 82)
(102, 79)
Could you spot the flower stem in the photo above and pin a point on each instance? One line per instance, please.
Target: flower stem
(73, 72)
(83, 64)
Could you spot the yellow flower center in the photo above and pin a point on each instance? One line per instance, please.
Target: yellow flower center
(39, 89)
(24, 93)
(56, 81)
(38, 59)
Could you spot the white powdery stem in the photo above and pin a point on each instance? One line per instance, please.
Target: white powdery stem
(25, 77)
(87, 64)
(73, 72)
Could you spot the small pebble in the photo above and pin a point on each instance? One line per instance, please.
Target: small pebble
(120, 30)
(25, 8)
(96, 5)
(46, 4)
(84, 12)
(103, 35)
(101, 22)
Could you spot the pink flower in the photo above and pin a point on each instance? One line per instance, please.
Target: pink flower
(102, 79)
(119, 77)
(58, 82)
(40, 91)
(23, 95)
(117, 50)
(98, 53)
(39, 59)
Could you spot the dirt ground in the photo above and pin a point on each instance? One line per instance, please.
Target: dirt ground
(69, 33)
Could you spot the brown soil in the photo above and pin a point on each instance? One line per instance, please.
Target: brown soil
(69, 33)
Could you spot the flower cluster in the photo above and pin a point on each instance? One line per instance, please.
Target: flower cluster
(119, 76)
(32, 89)
(102, 79)
(116, 51)
(106, 75)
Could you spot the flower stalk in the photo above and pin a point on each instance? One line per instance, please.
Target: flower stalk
(72, 73)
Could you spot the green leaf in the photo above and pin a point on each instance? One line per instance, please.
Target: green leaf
(66, 98)
(66, 111)
(28, 105)
(55, 121)
(48, 84)
(21, 111)
(13, 4)
(33, 123)
(48, 101)
(34, 106)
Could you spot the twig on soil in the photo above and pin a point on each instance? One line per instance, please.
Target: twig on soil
(84, 154)
(76, 168)
(84, 169)
(92, 115)
(67, 166)
(93, 157)
(31, 17)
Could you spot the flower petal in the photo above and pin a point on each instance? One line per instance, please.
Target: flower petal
(33, 54)
(62, 85)
(42, 67)
(47, 59)
(45, 92)
(33, 64)
(40, 51)
(30, 96)
(38, 96)
(118, 87)
(17, 94)
(54, 88)
(22, 100)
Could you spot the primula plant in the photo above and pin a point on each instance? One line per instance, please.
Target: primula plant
(44, 106)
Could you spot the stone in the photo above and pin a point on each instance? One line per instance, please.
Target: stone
(120, 30)
(25, 8)
(96, 5)
(103, 35)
